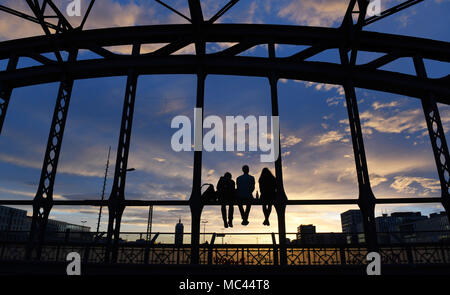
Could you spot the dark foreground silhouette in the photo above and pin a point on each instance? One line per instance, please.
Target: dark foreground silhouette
(228, 192)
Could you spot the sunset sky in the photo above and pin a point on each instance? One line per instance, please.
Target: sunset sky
(316, 145)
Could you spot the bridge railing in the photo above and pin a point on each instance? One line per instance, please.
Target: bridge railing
(268, 238)
(305, 255)
(307, 250)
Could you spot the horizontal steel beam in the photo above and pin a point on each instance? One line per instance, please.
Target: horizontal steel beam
(138, 233)
(254, 33)
(145, 203)
(319, 72)
(332, 246)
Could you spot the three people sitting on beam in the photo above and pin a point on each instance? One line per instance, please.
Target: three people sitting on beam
(228, 193)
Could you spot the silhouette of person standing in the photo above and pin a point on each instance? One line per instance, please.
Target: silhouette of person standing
(245, 188)
(226, 192)
(268, 188)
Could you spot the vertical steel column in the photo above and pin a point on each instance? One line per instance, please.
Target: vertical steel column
(437, 138)
(280, 203)
(6, 91)
(366, 201)
(194, 201)
(43, 201)
(116, 200)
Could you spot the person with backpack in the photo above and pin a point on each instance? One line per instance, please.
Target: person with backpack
(226, 193)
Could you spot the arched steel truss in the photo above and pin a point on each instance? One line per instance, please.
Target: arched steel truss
(349, 38)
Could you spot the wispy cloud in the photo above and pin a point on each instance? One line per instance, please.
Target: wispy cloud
(324, 87)
(314, 12)
(329, 137)
(409, 121)
(377, 105)
(416, 185)
(289, 141)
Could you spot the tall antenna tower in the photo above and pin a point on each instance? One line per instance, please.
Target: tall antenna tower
(103, 190)
(149, 223)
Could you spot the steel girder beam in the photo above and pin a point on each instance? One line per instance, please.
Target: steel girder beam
(39, 11)
(196, 12)
(258, 34)
(235, 49)
(86, 15)
(62, 26)
(43, 201)
(142, 203)
(174, 10)
(366, 199)
(116, 204)
(222, 11)
(179, 36)
(233, 33)
(6, 91)
(437, 139)
(319, 72)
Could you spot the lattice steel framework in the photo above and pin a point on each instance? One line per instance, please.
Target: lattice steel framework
(350, 37)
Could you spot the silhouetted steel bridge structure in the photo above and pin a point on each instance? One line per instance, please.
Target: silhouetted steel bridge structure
(66, 41)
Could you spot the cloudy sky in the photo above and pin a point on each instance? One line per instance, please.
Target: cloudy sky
(317, 152)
